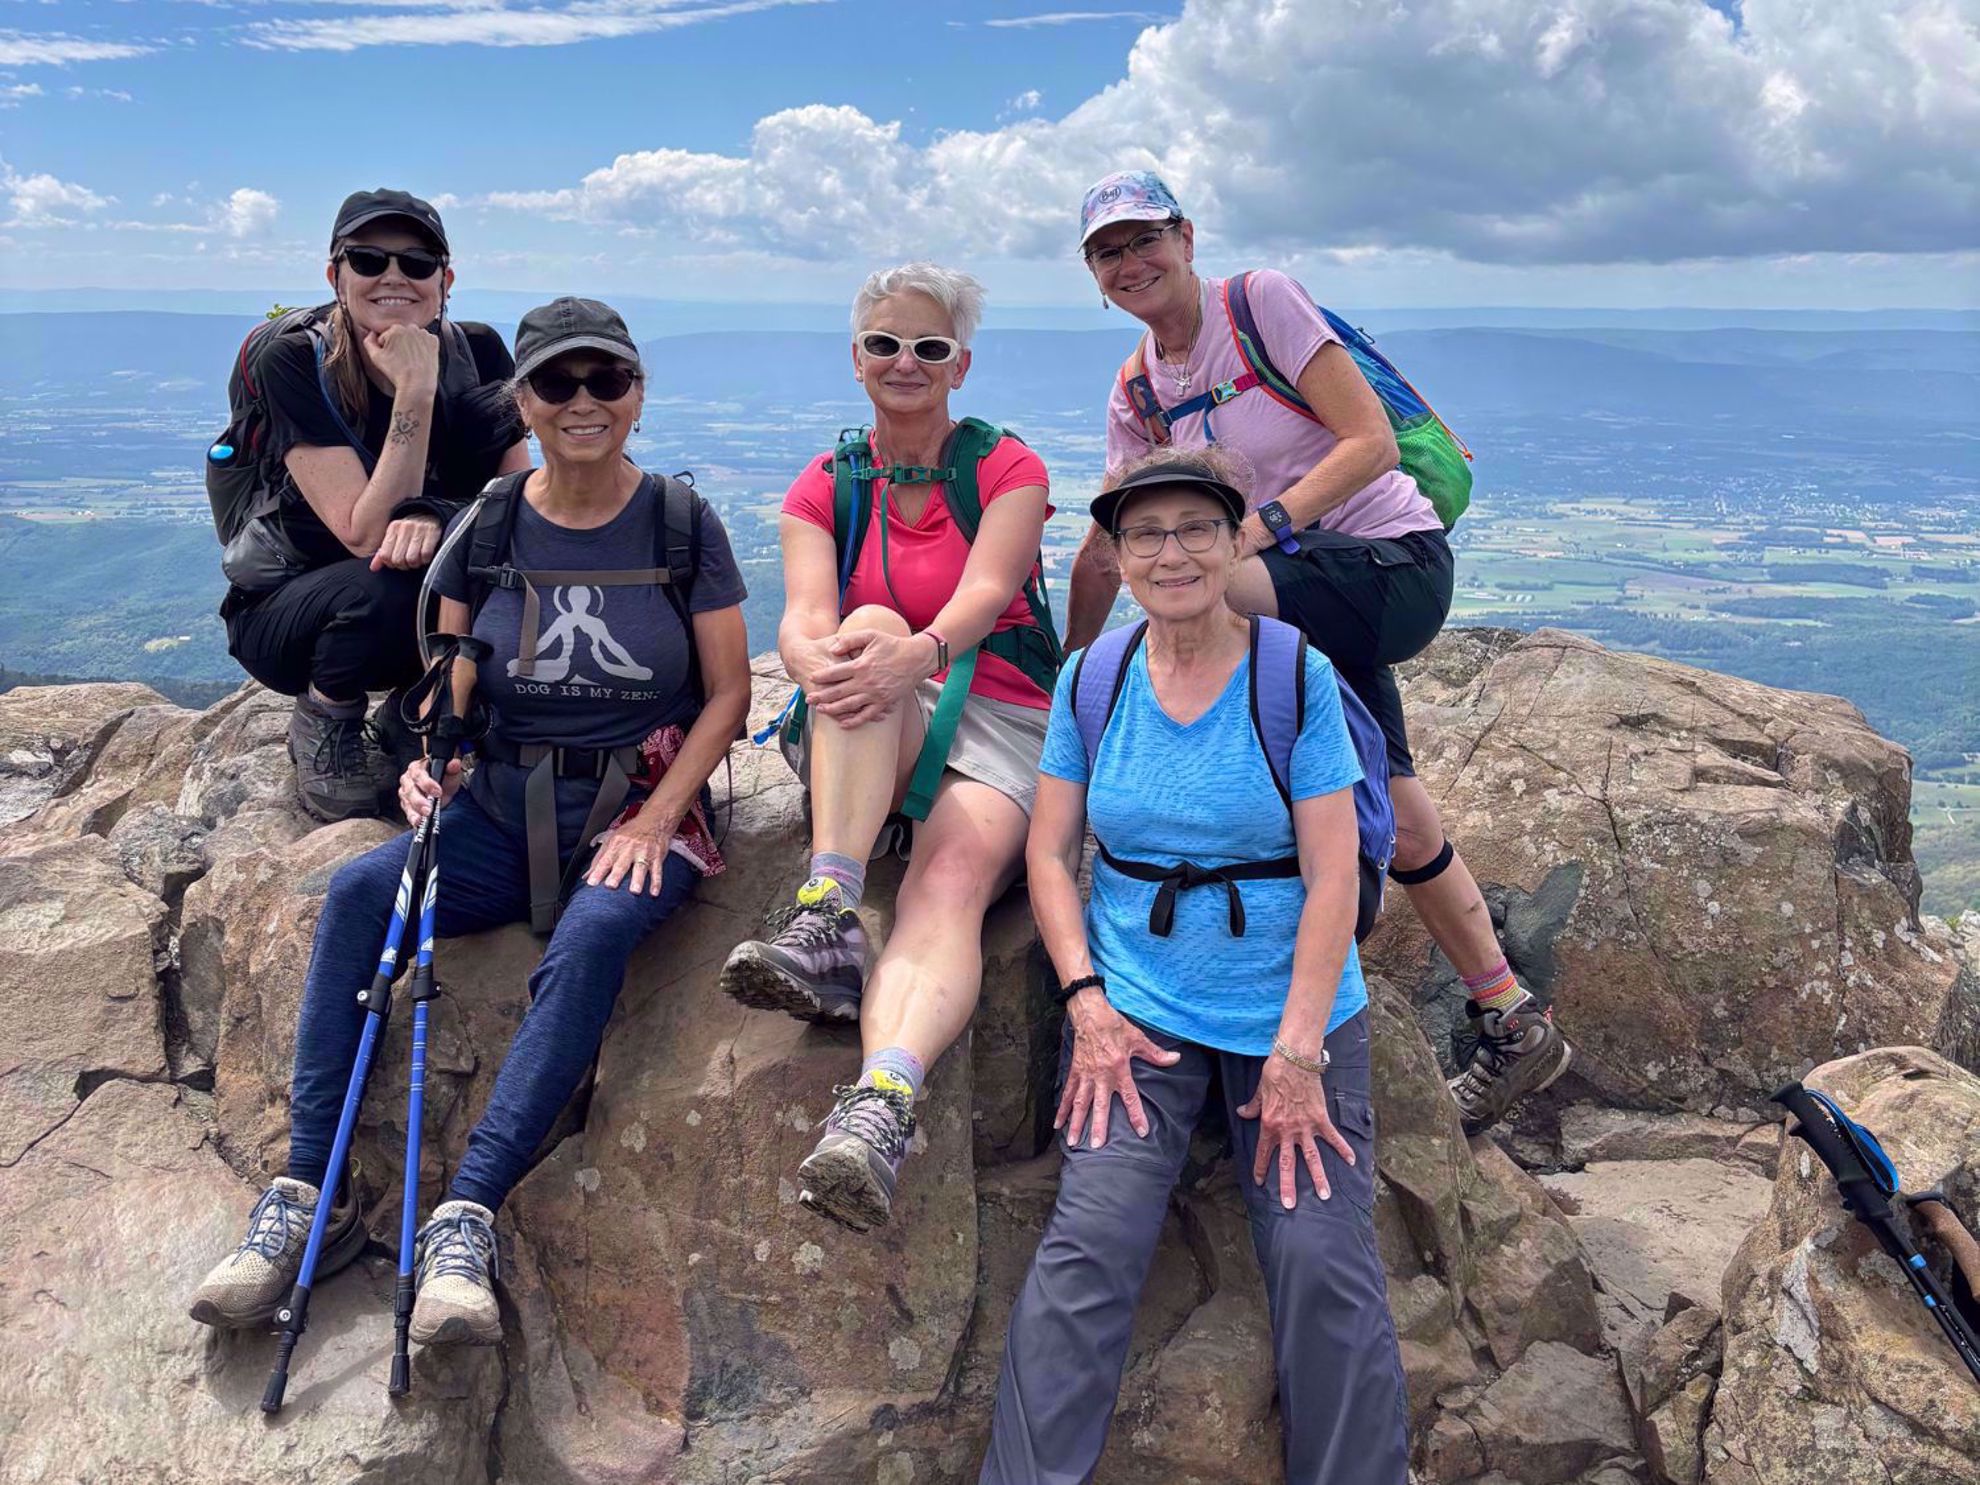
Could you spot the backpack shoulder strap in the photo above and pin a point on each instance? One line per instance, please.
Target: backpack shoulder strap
(677, 533)
(1140, 394)
(1098, 680)
(488, 540)
(852, 499)
(969, 443)
(458, 371)
(1251, 345)
(1278, 695)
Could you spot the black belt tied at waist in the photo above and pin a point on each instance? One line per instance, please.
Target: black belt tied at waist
(1187, 874)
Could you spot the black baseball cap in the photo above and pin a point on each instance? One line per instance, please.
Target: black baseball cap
(570, 324)
(1186, 472)
(361, 207)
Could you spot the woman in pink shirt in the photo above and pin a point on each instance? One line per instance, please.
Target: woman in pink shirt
(872, 649)
(1339, 541)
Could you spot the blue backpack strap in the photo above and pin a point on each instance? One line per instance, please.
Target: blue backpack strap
(1251, 346)
(1097, 683)
(851, 465)
(1278, 695)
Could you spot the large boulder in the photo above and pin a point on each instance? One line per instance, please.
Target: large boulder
(1713, 878)
(105, 1227)
(79, 989)
(50, 736)
(1834, 1371)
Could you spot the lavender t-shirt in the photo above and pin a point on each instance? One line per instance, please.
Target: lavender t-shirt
(1281, 445)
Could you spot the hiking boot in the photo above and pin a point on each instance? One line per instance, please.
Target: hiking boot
(342, 772)
(456, 1268)
(1519, 1052)
(395, 740)
(814, 968)
(249, 1285)
(850, 1175)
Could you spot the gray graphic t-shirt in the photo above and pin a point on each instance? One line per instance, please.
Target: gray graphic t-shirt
(611, 662)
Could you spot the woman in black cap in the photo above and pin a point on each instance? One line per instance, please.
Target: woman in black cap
(1246, 988)
(614, 688)
(372, 420)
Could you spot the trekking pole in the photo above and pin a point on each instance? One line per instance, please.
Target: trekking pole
(446, 732)
(377, 1002)
(1867, 1181)
(376, 998)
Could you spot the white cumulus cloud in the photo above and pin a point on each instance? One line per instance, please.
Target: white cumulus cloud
(1496, 131)
(246, 212)
(41, 200)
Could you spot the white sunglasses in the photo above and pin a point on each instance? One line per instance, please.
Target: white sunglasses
(929, 350)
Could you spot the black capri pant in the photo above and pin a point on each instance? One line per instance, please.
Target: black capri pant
(1367, 604)
(342, 627)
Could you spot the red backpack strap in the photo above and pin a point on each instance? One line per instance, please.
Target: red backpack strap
(1251, 347)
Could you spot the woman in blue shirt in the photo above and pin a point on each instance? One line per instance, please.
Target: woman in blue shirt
(1267, 1004)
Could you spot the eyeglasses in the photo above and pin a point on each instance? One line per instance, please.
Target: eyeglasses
(929, 350)
(1191, 536)
(606, 383)
(415, 263)
(1142, 245)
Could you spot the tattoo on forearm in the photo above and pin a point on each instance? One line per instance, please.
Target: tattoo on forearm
(404, 427)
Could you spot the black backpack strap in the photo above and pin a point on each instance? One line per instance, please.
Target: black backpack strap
(677, 548)
(458, 371)
(488, 541)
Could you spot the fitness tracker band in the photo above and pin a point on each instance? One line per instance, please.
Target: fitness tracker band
(1278, 521)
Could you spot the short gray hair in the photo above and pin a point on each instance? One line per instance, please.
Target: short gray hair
(960, 296)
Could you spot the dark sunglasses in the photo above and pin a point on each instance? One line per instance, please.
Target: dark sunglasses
(415, 263)
(606, 383)
(929, 350)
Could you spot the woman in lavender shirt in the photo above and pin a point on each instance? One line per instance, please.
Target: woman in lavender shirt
(1338, 541)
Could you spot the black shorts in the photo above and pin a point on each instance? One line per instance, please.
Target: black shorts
(1367, 604)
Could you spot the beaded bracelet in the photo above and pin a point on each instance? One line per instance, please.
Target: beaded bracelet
(1084, 982)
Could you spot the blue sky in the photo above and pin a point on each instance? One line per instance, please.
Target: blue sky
(1627, 152)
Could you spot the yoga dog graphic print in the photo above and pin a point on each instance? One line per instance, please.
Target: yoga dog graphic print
(580, 614)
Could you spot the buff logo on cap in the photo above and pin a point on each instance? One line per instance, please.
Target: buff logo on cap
(1126, 196)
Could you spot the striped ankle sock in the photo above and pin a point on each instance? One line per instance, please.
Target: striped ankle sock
(1495, 990)
(893, 1067)
(848, 873)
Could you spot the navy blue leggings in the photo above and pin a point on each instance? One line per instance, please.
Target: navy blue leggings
(484, 882)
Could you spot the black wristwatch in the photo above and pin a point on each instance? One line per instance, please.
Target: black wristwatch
(1279, 522)
(1085, 982)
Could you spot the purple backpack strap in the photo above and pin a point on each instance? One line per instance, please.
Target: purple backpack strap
(1278, 695)
(1097, 682)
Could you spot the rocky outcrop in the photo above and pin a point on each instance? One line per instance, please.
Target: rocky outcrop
(1833, 1369)
(1711, 878)
(671, 1314)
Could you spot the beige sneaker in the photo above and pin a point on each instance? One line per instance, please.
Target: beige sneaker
(249, 1285)
(456, 1268)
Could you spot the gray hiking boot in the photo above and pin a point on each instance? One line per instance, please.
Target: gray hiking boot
(1520, 1051)
(342, 771)
(456, 1271)
(815, 968)
(850, 1176)
(249, 1285)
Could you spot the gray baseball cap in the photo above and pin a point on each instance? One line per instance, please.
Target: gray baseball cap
(361, 207)
(568, 324)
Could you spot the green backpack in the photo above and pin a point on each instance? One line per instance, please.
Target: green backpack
(1032, 648)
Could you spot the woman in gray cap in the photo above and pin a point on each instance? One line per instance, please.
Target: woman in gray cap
(1339, 541)
(1181, 979)
(617, 675)
(360, 427)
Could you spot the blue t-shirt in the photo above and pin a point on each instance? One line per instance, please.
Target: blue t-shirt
(611, 662)
(1164, 793)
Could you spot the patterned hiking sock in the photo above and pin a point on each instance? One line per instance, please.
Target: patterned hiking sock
(848, 873)
(1494, 990)
(893, 1067)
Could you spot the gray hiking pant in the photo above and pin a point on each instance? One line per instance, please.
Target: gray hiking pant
(1334, 1346)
